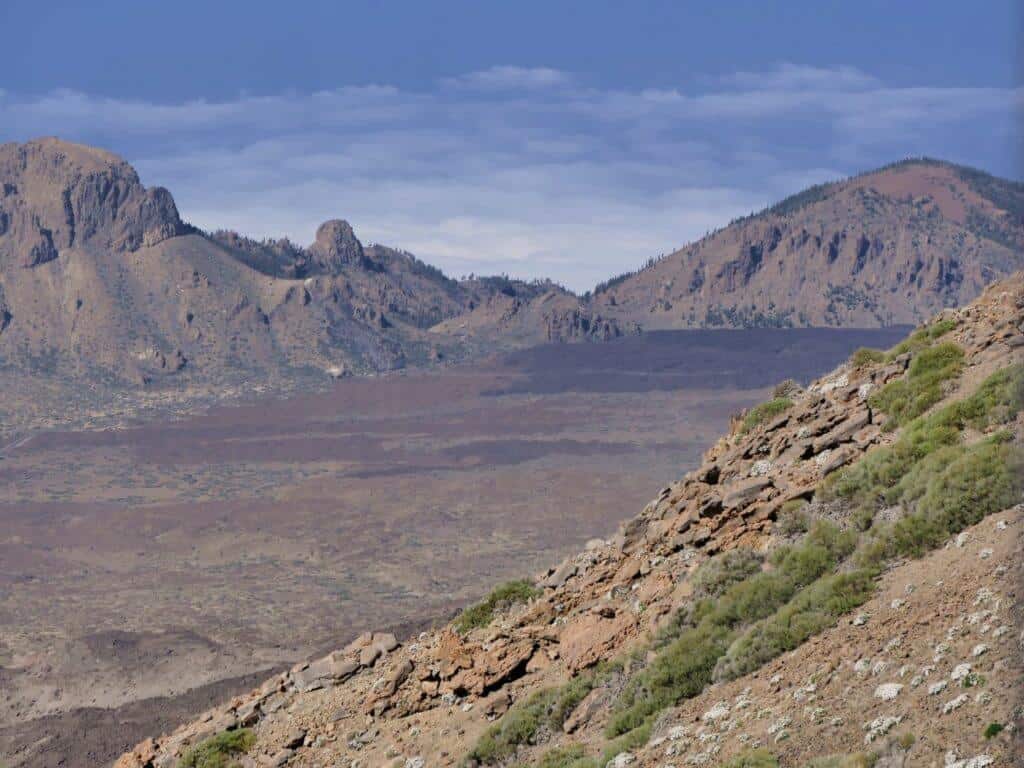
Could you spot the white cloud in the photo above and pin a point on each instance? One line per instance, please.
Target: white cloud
(788, 76)
(518, 169)
(510, 78)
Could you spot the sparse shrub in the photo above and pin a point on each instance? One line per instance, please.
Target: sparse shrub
(792, 519)
(866, 356)
(684, 666)
(906, 740)
(901, 473)
(504, 596)
(905, 399)
(985, 479)
(785, 389)
(816, 607)
(993, 729)
(723, 570)
(570, 756)
(922, 338)
(765, 411)
(518, 726)
(855, 760)
(941, 327)
(547, 709)
(218, 751)
(755, 758)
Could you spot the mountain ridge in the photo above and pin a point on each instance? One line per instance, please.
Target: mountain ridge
(101, 279)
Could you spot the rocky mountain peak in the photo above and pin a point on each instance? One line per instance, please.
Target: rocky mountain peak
(336, 245)
(58, 196)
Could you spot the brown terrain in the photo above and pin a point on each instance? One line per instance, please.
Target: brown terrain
(148, 571)
(915, 660)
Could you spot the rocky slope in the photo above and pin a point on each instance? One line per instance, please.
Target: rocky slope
(889, 247)
(711, 625)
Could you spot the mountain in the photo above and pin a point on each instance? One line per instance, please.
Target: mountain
(100, 277)
(101, 280)
(889, 247)
(837, 584)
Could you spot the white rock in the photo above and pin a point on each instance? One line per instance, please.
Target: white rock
(717, 712)
(1000, 631)
(880, 726)
(897, 603)
(978, 761)
(1002, 525)
(936, 688)
(979, 649)
(960, 671)
(621, 760)
(415, 762)
(962, 539)
(888, 691)
(985, 554)
(761, 468)
(954, 704)
(779, 725)
(860, 620)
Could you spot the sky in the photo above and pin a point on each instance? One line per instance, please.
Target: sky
(570, 140)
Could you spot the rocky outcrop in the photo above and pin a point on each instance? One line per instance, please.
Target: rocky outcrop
(59, 196)
(336, 246)
(579, 324)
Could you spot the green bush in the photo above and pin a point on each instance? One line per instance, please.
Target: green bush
(218, 751)
(562, 757)
(993, 729)
(723, 570)
(922, 338)
(765, 411)
(792, 519)
(900, 473)
(817, 607)
(755, 758)
(518, 726)
(504, 596)
(685, 666)
(906, 398)
(985, 479)
(866, 356)
(546, 709)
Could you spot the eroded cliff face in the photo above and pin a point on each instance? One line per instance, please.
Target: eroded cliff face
(57, 196)
(554, 671)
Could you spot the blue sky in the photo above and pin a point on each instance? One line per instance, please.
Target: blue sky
(570, 140)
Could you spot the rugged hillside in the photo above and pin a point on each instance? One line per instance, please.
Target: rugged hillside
(842, 575)
(101, 280)
(890, 247)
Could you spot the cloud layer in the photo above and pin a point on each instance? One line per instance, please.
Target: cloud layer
(526, 170)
